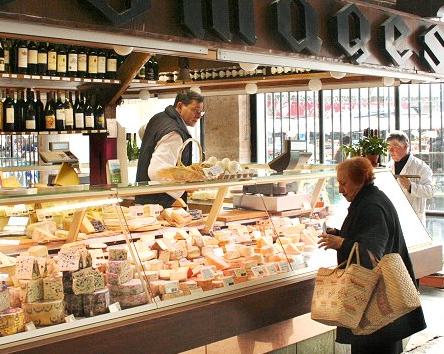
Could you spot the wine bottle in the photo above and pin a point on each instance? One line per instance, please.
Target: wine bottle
(155, 67)
(101, 64)
(40, 112)
(2, 58)
(69, 112)
(52, 60)
(141, 74)
(20, 106)
(89, 114)
(111, 65)
(129, 148)
(92, 63)
(13, 57)
(1, 111)
(32, 58)
(42, 59)
(50, 112)
(60, 112)
(61, 61)
(22, 57)
(73, 59)
(135, 148)
(7, 51)
(30, 113)
(99, 116)
(82, 62)
(9, 113)
(79, 115)
(149, 69)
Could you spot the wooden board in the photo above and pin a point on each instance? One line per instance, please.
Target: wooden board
(240, 214)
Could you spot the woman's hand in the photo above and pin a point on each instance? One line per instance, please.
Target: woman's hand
(328, 241)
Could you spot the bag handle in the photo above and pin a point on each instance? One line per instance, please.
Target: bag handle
(354, 250)
(182, 148)
(373, 258)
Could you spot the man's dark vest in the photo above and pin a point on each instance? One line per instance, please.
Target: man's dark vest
(160, 125)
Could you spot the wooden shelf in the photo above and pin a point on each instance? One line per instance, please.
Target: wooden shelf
(50, 82)
(81, 131)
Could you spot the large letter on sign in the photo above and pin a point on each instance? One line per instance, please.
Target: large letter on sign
(136, 8)
(353, 32)
(309, 39)
(433, 51)
(395, 32)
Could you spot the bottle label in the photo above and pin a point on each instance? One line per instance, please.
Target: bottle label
(52, 61)
(79, 121)
(6, 56)
(23, 58)
(61, 63)
(101, 121)
(32, 56)
(50, 122)
(69, 117)
(30, 124)
(81, 65)
(111, 65)
(42, 58)
(92, 64)
(72, 62)
(60, 114)
(10, 115)
(101, 65)
(2, 64)
(89, 121)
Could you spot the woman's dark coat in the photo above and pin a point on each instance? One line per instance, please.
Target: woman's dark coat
(372, 221)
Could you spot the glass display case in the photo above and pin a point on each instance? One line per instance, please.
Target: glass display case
(81, 263)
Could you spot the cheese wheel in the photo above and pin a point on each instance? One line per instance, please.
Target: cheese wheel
(130, 300)
(12, 321)
(45, 313)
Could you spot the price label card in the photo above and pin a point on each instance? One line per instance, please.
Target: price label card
(239, 272)
(77, 79)
(70, 318)
(84, 131)
(66, 79)
(55, 78)
(97, 80)
(258, 271)
(35, 77)
(26, 76)
(53, 133)
(157, 299)
(228, 281)
(136, 210)
(107, 81)
(86, 80)
(30, 326)
(43, 133)
(5, 75)
(272, 268)
(284, 267)
(136, 80)
(94, 131)
(63, 132)
(46, 77)
(116, 81)
(207, 273)
(9, 242)
(172, 287)
(114, 307)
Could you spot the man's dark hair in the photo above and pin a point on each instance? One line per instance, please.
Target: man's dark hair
(187, 96)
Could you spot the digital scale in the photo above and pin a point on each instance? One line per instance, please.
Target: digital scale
(58, 153)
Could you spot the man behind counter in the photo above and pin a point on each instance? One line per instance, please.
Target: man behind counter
(417, 190)
(163, 137)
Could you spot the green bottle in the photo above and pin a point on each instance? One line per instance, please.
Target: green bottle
(129, 148)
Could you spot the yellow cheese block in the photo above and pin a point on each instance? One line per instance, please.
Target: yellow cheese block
(12, 321)
(10, 182)
(45, 313)
(67, 176)
(86, 226)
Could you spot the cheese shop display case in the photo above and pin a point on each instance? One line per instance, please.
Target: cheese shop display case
(82, 267)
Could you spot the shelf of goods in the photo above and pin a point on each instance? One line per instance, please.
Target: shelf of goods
(86, 270)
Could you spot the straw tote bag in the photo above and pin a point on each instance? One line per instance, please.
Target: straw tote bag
(341, 295)
(394, 296)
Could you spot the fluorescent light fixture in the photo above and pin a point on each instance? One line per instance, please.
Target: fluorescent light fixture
(100, 37)
(321, 64)
(79, 205)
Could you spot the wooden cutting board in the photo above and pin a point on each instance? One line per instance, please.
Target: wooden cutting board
(240, 214)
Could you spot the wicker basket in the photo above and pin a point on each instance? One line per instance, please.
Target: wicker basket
(341, 295)
(182, 173)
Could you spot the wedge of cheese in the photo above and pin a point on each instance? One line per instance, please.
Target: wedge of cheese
(12, 321)
(45, 313)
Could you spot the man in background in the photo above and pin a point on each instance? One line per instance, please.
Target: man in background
(162, 140)
(417, 190)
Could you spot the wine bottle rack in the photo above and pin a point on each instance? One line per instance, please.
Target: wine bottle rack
(55, 132)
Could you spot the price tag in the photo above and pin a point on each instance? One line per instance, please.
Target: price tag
(14, 76)
(116, 81)
(30, 326)
(284, 267)
(35, 77)
(258, 271)
(157, 299)
(5, 75)
(136, 80)
(94, 131)
(70, 318)
(207, 273)
(256, 234)
(66, 79)
(9, 242)
(55, 78)
(97, 80)
(86, 80)
(84, 131)
(43, 133)
(26, 76)
(136, 210)
(228, 281)
(239, 272)
(272, 268)
(53, 133)
(172, 287)
(63, 132)
(107, 81)
(46, 77)
(114, 307)
(77, 79)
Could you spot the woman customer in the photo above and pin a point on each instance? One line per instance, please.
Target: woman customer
(371, 221)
